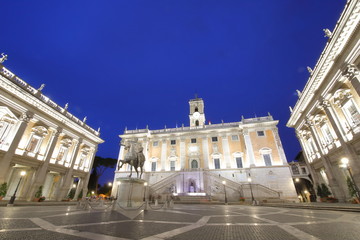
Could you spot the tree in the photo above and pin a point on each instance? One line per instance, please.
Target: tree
(99, 166)
(323, 191)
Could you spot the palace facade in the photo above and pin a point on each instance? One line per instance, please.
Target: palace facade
(326, 117)
(241, 158)
(38, 138)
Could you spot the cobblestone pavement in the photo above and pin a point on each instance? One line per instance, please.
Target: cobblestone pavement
(181, 222)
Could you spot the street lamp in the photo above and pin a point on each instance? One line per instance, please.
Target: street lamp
(224, 183)
(297, 179)
(252, 195)
(345, 164)
(12, 199)
(145, 184)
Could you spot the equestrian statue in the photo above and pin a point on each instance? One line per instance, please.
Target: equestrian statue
(134, 156)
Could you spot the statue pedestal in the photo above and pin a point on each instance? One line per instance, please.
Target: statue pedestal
(130, 192)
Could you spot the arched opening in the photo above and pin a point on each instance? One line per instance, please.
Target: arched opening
(194, 164)
(197, 123)
(196, 109)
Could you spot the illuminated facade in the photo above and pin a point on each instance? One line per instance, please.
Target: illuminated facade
(55, 148)
(326, 116)
(195, 160)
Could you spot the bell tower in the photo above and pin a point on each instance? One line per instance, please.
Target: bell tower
(196, 115)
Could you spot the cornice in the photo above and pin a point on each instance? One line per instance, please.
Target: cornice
(344, 28)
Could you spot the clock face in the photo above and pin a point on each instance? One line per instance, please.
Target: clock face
(196, 115)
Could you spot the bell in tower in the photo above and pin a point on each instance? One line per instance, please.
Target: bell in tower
(196, 116)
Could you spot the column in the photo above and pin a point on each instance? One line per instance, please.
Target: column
(68, 176)
(347, 148)
(163, 154)
(226, 149)
(79, 187)
(309, 166)
(5, 161)
(182, 153)
(279, 146)
(352, 73)
(120, 157)
(41, 173)
(336, 190)
(249, 149)
(86, 180)
(205, 148)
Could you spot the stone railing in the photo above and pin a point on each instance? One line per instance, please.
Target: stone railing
(25, 86)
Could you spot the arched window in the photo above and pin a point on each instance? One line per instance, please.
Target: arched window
(266, 154)
(197, 123)
(196, 109)
(194, 164)
(63, 150)
(7, 126)
(37, 136)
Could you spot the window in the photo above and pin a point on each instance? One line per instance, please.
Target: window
(62, 154)
(260, 133)
(351, 113)
(193, 140)
(267, 159)
(303, 170)
(217, 163)
(172, 165)
(326, 133)
(295, 169)
(173, 142)
(194, 164)
(235, 137)
(239, 163)
(214, 139)
(197, 123)
(153, 166)
(33, 144)
(155, 143)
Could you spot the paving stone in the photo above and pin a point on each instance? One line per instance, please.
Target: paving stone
(38, 235)
(332, 231)
(235, 219)
(90, 217)
(283, 218)
(132, 230)
(16, 223)
(167, 216)
(236, 233)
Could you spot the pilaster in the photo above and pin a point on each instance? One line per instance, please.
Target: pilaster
(68, 176)
(163, 154)
(226, 149)
(5, 161)
(249, 149)
(205, 149)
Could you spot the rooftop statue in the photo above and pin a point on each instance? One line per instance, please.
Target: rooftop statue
(3, 58)
(134, 157)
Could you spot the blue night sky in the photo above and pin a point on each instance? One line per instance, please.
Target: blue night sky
(133, 63)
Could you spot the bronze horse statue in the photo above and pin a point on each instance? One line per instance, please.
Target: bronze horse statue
(134, 157)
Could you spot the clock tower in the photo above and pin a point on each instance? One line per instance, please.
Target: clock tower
(197, 115)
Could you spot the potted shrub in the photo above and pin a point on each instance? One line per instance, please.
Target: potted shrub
(38, 195)
(332, 200)
(352, 190)
(80, 195)
(323, 192)
(3, 190)
(71, 194)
